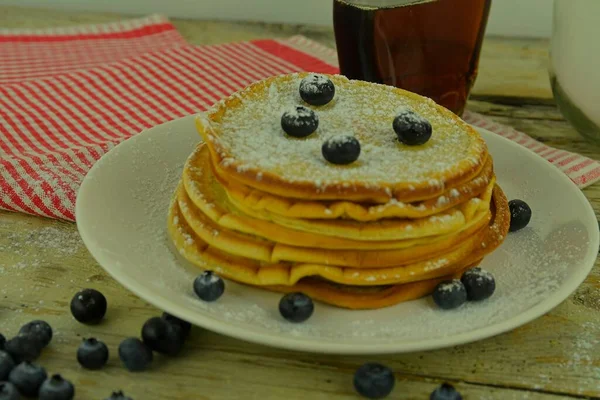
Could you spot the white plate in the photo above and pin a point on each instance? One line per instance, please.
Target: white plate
(121, 215)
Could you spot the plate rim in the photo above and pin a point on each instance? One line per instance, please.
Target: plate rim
(298, 344)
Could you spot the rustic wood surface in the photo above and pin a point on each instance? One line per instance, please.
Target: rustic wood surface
(43, 263)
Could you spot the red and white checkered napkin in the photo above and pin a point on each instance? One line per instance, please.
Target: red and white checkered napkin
(67, 96)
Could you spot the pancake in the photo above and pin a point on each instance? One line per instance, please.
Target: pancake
(248, 146)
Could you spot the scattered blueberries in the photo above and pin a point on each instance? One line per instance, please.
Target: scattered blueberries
(374, 381)
(411, 128)
(118, 396)
(341, 150)
(185, 326)
(445, 392)
(92, 354)
(6, 365)
(56, 388)
(317, 90)
(299, 122)
(88, 306)
(8, 391)
(28, 378)
(23, 348)
(135, 355)
(162, 336)
(208, 286)
(2, 341)
(479, 284)
(520, 215)
(296, 307)
(450, 294)
(40, 330)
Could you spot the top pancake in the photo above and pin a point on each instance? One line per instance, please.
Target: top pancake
(248, 145)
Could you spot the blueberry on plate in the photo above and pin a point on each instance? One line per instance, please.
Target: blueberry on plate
(445, 392)
(6, 365)
(8, 391)
(299, 121)
(92, 354)
(23, 348)
(185, 326)
(56, 388)
(162, 336)
(411, 128)
(28, 378)
(296, 307)
(2, 341)
(88, 306)
(118, 396)
(520, 215)
(40, 330)
(450, 294)
(479, 284)
(341, 150)
(374, 381)
(135, 355)
(208, 286)
(317, 90)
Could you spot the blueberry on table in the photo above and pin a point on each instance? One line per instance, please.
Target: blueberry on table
(520, 215)
(299, 121)
(208, 286)
(28, 378)
(88, 306)
(185, 326)
(40, 330)
(56, 388)
(450, 294)
(445, 392)
(135, 355)
(92, 354)
(8, 391)
(341, 150)
(296, 307)
(374, 381)
(317, 90)
(23, 348)
(6, 365)
(411, 128)
(162, 336)
(479, 284)
(118, 396)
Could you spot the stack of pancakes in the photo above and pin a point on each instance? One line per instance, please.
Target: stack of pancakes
(262, 208)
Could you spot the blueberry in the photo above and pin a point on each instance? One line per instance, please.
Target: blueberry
(450, 294)
(134, 354)
(296, 307)
(28, 378)
(163, 337)
(6, 365)
(479, 284)
(23, 348)
(2, 341)
(411, 128)
(317, 90)
(40, 330)
(118, 396)
(445, 392)
(185, 326)
(208, 286)
(374, 381)
(8, 391)
(56, 388)
(88, 306)
(341, 149)
(92, 354)
(299, 121)
(520, 215)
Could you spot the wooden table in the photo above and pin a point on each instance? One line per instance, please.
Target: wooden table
(43, 263)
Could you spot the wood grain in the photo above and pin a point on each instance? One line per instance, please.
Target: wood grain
(43, 263)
